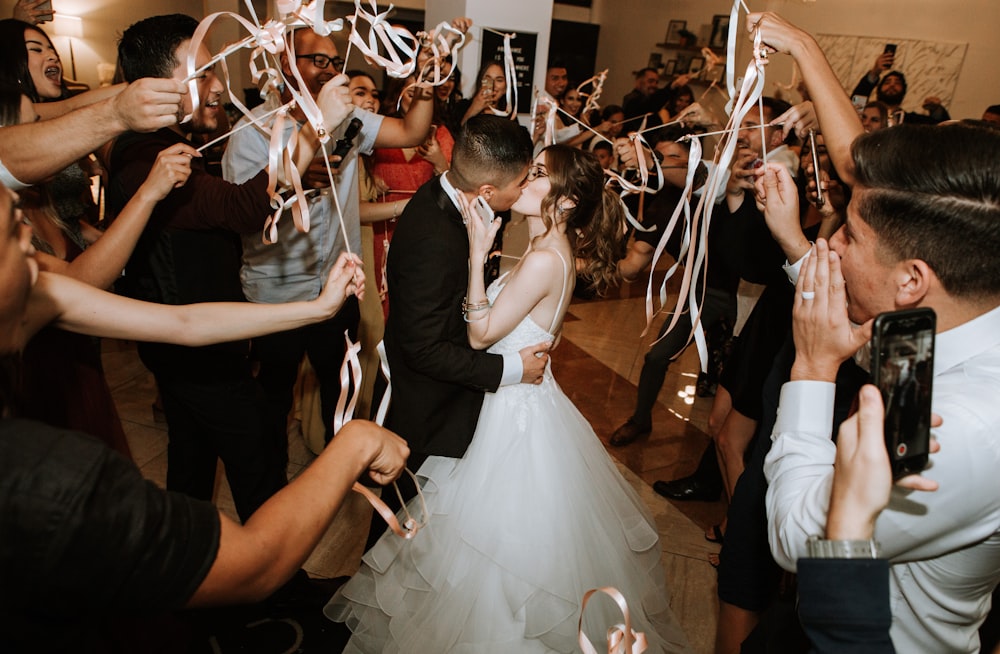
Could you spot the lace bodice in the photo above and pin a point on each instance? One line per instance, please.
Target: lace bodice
(525, 334)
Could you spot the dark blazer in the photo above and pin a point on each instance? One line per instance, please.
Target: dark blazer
(438, 381)
(844, 605)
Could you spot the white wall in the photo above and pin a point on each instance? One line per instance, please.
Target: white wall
(961, 21)
(630, 28)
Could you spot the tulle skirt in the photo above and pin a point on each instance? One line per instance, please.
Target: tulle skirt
(532, 517)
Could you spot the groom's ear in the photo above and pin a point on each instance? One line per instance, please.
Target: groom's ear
(487, 191)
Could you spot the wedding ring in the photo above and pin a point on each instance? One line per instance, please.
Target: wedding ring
(808, 295)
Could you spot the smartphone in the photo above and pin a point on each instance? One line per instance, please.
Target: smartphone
(903, 370)
(487, 84)
(483, 208)
(46, 9)
(815, 159)
(890, 48)
(859, 102)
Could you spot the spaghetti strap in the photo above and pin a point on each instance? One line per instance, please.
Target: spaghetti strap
(562, 296)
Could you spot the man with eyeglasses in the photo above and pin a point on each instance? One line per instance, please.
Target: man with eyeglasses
(296, 266)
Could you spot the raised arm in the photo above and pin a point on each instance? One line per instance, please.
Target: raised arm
(77, 307)
(34, 151)
(411, 130)
(48, 110)
(102, 263)
(837, 117)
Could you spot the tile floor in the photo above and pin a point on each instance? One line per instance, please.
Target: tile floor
(597, 363)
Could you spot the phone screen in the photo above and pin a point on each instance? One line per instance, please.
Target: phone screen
(903, 369)
(46, 9)
(859, 102)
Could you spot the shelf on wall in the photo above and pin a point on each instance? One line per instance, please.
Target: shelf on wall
(688, 48)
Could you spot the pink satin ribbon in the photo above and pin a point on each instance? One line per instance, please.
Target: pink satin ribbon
(696, 258)
(622, 638)
(350, 387)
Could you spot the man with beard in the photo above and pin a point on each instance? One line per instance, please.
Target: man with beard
(891, 90)
(190, 252)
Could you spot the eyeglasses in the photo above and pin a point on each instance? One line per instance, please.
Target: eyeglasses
(321, 61)
(535, 172)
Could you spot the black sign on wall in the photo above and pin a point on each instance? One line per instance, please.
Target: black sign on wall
(523, 49)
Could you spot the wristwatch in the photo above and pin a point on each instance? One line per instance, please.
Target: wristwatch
(820, 548)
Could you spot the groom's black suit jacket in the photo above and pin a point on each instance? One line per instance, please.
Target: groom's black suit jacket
(438, 380)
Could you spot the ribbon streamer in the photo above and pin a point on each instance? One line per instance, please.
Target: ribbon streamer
(395, 39)
(596, 84)
(622, 638)
(695, 258)
(350, 386)
(510, 74)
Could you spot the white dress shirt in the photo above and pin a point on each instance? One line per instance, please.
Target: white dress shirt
(944, 546)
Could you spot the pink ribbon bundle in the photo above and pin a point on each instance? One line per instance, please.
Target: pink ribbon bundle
(268, 41)
(350, 386)
(695, 258)
(622, 638)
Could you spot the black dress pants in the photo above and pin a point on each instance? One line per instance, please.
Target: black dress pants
(280, 356)
(215, 411)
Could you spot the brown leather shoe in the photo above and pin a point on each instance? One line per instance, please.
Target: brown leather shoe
(629, 433)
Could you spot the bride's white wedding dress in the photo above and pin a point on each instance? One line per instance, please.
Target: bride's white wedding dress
(532, 517)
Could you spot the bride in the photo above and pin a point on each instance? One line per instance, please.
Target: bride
(536, 513)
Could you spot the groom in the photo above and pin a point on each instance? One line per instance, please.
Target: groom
(438, 380)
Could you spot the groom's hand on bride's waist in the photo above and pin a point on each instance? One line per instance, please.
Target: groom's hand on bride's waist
(534, 359)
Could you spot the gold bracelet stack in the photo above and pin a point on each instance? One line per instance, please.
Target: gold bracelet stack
(468, 308)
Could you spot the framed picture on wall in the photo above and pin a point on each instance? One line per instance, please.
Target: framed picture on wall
(655, 60)
(720, 32)
(674, 30)
(697, 63)
(670, 67)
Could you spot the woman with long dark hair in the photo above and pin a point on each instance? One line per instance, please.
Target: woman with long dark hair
(536, 513)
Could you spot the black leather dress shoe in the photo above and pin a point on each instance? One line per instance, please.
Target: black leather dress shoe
(688, 488)
(628, 433)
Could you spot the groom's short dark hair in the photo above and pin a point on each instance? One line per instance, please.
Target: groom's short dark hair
(489, 150)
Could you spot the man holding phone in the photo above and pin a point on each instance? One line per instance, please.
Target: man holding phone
(891, 90)
(920, 233)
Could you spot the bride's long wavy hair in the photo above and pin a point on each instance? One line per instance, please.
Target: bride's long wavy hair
(596, 225)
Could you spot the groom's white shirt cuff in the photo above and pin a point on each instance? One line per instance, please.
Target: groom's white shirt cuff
(513, 367)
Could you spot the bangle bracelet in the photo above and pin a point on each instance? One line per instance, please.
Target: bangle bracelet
(475, 306)
(466, 318)
(395, 209)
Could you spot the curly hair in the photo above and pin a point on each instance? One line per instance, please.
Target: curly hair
(595, 226)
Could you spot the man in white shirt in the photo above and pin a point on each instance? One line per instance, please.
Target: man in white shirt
(922, 230)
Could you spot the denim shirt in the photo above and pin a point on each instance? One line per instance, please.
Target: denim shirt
(296, 266)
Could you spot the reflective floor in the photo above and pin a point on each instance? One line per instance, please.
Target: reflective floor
(597, 363)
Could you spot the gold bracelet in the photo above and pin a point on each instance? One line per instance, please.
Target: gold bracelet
(475, 306)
